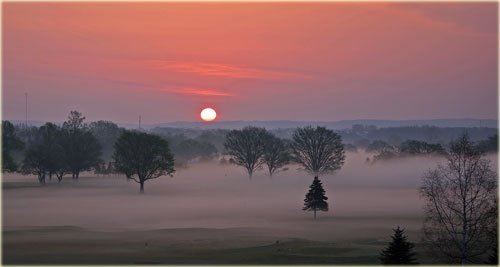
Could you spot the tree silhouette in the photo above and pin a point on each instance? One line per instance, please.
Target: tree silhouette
(35, 162)
(461, 204)
(82, 149)
(10, 142)
(318, 150)
(399, 251)
(45, 154)
(141, 157)
(106, 133)
(275, 153)
(379, 146)
(75, 121)
(246, 147)
(415, 147)
(315, 199)
(55, 157)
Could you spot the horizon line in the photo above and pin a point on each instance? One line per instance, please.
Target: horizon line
(271, 120)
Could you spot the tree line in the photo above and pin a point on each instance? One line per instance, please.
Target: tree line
(360, 135)
(384, 150)
(74, 147)
(354, 139)
(57, 151)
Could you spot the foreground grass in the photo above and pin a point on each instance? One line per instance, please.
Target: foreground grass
(72, 245)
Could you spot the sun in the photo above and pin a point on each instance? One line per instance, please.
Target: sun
(208, 114)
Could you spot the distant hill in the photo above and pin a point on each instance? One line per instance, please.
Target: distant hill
(491, 123)
(286, 124)
(344, 124)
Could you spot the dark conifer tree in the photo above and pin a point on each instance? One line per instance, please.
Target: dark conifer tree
(315, 199)
(399, 251)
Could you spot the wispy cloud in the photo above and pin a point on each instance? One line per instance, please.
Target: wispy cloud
(224, 70)
(197, 91)
(139, 86)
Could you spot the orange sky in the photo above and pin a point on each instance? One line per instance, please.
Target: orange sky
(260, 61)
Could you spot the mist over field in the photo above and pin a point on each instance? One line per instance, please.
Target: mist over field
(215, 211)
(214, 195)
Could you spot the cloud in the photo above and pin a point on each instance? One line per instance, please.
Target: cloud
(223, 70)
(197, 91)
(185, 90)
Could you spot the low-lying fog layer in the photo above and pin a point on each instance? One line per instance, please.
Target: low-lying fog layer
(362, 198)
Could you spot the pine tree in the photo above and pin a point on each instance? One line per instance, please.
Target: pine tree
(399, 251)
(315, 198)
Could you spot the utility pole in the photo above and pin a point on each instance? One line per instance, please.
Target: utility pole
(26, 110)
(139, 122)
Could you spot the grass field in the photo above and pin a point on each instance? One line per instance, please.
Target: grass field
(70, 245)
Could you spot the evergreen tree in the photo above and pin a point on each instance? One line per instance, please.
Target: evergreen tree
(399, 251)
(315, 199)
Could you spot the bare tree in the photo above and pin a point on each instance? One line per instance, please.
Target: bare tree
(461, 209)
(318, 150)
(246, 147)
(276, 154)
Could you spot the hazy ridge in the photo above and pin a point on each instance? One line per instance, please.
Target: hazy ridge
(341, 124)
